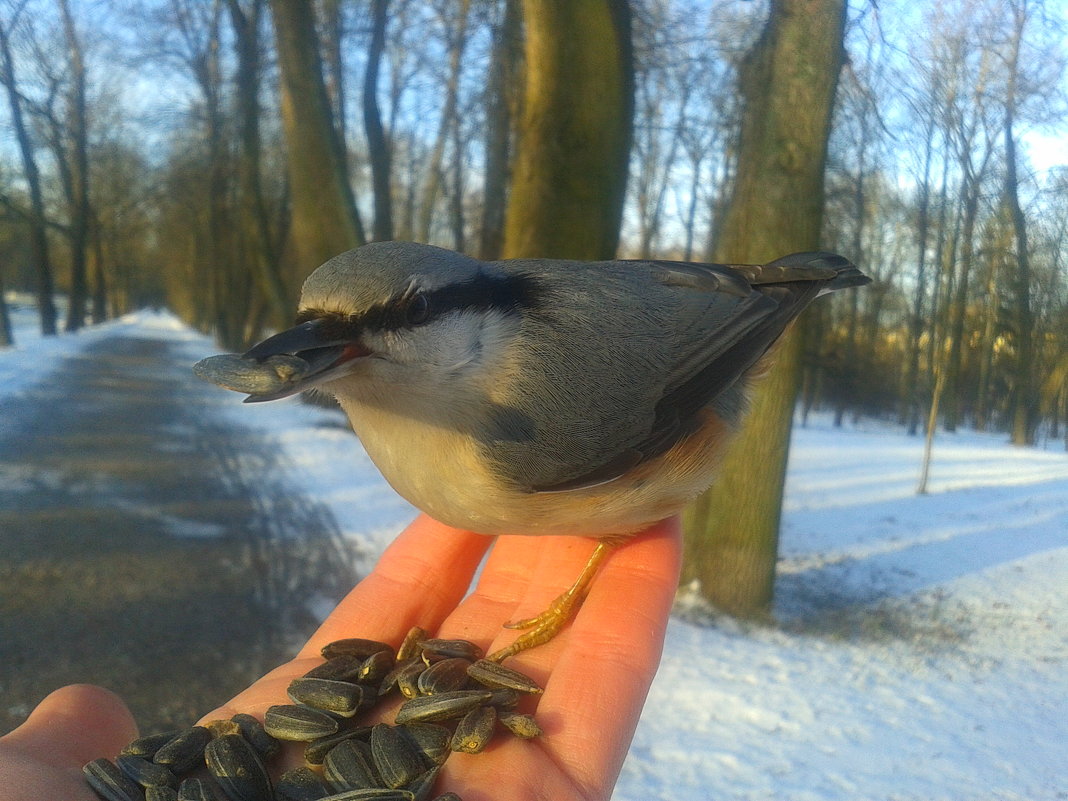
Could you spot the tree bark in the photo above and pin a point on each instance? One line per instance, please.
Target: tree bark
(910, 412)
(435, 171)
(378, 147)
(574, 139)
(79, 173)
(788, 83)
(255, 219)
(334, 62)
(46, 307)
(325, 221)
(500, 100)
(1024, 402)
(7, 336)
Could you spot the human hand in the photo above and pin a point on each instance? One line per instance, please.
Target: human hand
(596, 672)
(43, 758)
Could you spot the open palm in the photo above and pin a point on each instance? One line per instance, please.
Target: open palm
(596, 672)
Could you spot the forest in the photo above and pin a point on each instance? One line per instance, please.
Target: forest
(206, 155)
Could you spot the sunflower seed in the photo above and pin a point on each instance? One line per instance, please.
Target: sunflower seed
(315, 752)
(410, 646)
(236, 766)
(444, 676)
(522, 726)
(195, 790)
(337, 697)
(375, 667)
(220, 727)
(110, 783)
(441, 706)
(354, 646)
(252, 730)
(161, 794)
(405, 677)
(300, 784)
(437, 649)
(185, 750)
(372, 794)
(235, 372)
(474, 730)
(397, 760)
(146, 773)
(298, 723)
(350, 766)
(148, 746)
(504, 699)
(423, 784)
(494, 674)
(430, 740)
(340, 668)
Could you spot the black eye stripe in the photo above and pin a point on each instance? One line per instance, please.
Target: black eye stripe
(505, 293)
(484, 292)
(418, 310)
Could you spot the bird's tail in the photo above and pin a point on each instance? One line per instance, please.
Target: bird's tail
(838, 271)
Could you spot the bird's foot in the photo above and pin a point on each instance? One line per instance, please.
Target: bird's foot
(542, 628)
(545, 626)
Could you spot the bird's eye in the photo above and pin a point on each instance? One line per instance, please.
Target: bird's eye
(418, 310)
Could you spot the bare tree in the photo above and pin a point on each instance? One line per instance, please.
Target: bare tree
(788, 83)
(325, 219)
(7, 336)
(378, 147)
(574, 138)
(36, 215)
(501, 100)
(258, 246)
(1024, 404)
(456, 37)
(80, 212)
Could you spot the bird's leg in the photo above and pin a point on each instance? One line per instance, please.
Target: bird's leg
(545, 626)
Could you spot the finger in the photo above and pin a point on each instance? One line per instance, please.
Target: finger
(522, 576)
(600, 681)
(419, 579)
(75, 725)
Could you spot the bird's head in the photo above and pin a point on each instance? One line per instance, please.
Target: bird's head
(395, 316)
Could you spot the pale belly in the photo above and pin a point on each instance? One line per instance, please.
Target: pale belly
(441, 473)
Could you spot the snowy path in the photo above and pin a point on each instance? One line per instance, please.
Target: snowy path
(134, 525)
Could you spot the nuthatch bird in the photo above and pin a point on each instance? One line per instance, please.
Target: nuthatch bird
(538, 396)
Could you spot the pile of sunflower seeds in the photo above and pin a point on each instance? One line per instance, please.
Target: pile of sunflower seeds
(454, 701)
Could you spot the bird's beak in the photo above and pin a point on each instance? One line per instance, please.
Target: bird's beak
(324, 356)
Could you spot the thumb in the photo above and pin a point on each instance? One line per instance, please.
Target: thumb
(74, 725)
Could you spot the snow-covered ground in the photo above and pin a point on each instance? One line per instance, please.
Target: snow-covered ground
(922, 645)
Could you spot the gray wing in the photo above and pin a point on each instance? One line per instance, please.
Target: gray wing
(715, 322)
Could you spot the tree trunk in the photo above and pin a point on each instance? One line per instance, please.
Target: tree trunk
(574, 139)
(435, 171)
(324, 217)
(377, 146)
(79, 171)
(255, 220)
(7, 336)
(959, 306)
(227, 304)
(1024, 396)
(456, 198)
(500, 99)
(910, 412)
(99, 292)
(788, 83)
(334, 67)
(46, 307)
